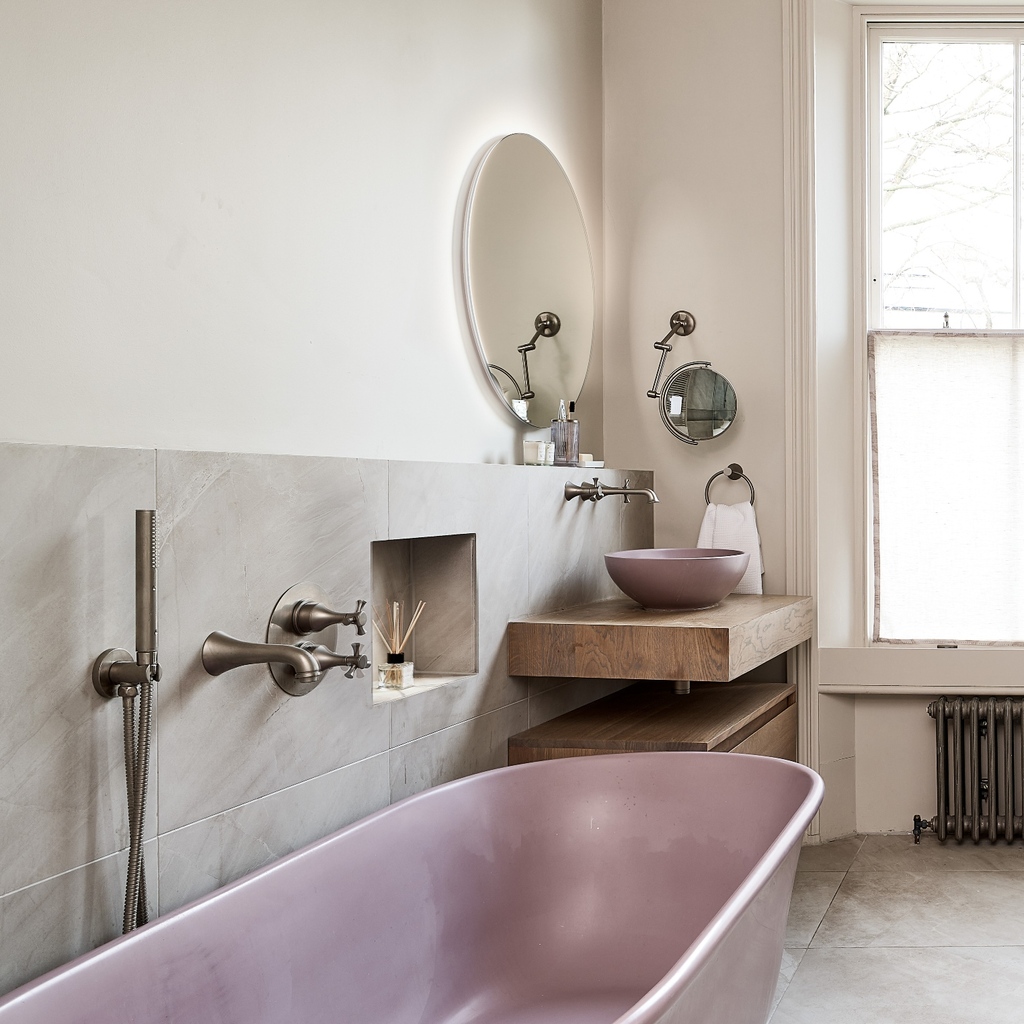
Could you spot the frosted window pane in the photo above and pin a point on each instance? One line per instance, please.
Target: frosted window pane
(949, 421)
(947, 184)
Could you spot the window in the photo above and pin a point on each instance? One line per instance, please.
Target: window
(946, 345)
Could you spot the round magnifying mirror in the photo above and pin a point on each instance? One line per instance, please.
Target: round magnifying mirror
(697, 403)
(527, 278)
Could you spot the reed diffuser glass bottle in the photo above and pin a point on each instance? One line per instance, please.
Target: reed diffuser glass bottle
(396, 673)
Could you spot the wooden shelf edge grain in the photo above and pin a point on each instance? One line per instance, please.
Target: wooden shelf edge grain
(616, 639)
(649, 716)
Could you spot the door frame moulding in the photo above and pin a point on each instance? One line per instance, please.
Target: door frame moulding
(800, 355)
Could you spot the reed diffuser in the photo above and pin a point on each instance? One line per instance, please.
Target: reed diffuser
(396, 673)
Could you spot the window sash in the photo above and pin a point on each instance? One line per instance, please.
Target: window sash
(948, 487)
(895, 32)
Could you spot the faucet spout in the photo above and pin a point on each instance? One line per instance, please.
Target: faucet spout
(627, 491)
(221, 653)
(597, 490)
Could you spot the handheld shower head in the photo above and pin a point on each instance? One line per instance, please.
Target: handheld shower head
(146, 560)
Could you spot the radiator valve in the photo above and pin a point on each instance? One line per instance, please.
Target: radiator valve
(920, 824)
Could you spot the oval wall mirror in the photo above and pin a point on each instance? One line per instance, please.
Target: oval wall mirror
(697, 403)
(527, 278)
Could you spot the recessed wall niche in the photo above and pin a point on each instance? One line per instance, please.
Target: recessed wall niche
(440, 571)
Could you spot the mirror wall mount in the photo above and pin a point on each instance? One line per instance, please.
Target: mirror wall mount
(681, 323)
(547, 326)
(696, 403)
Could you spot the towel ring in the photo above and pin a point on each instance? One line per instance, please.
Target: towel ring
(734, 471)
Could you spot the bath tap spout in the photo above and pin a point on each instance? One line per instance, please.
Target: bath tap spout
(221, 653)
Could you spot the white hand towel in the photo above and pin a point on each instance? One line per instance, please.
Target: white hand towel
(735, 526)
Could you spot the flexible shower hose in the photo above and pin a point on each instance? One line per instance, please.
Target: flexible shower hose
(136, 763)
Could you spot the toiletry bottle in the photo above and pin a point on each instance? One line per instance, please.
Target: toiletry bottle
(565, 435)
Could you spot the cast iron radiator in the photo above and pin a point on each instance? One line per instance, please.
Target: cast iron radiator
(979, 769)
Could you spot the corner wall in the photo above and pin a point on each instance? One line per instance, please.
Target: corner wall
(694, 220)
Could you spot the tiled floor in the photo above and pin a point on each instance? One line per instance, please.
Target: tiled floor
(885, 932)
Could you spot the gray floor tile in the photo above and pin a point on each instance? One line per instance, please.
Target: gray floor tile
(812, 894)
(954, 985)
(948, 908)
(899, 853)
(790, 961)
(834, 856)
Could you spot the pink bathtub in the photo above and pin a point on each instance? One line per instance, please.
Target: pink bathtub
(634, 888)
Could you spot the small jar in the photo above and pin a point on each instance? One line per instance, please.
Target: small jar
(396, 674)
(533, 453)
(565, 438)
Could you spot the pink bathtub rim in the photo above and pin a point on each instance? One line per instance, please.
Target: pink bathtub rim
(652, 1007)
(649, 1009)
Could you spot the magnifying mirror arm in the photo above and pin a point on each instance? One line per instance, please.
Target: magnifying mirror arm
(682, 323)
(547, 325)
(665, 346)
(522, 350)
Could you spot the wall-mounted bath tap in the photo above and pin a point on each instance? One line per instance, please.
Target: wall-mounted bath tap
(355, 662)
(297, 664)
(221, 653)
(596, 491)
(314, 616)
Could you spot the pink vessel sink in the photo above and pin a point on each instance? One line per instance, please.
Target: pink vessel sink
(670, 579)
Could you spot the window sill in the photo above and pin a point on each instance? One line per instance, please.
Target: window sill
(921, 670)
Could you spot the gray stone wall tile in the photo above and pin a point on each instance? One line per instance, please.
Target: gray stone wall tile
(239, 530)
(201, 857)
(67, 593)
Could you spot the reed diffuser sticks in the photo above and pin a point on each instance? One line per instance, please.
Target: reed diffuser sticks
(397, 673)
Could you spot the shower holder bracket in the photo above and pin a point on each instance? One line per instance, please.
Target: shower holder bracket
(115, 668)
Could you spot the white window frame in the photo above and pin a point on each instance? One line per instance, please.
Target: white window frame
(902, 31)
(878, 25)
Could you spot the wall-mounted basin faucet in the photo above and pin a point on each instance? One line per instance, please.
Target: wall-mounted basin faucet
(221, 653)
(596, 491)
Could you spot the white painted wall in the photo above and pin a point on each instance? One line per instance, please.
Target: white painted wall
(889, 773)
(229, 225)
(694, 220)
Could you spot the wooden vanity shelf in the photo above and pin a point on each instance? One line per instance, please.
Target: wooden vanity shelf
(748, 718)
(617, 639)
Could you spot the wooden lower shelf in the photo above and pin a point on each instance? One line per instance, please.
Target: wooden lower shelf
(749, 718)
